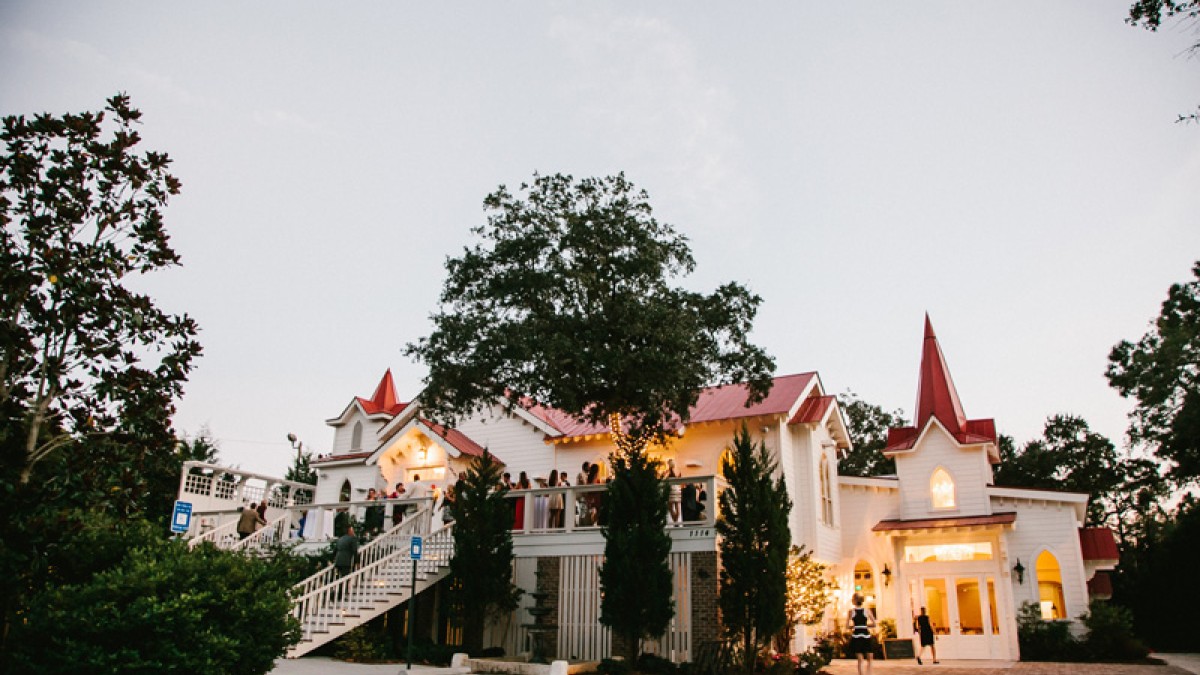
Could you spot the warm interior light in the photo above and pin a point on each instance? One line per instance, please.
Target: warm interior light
(941, 490)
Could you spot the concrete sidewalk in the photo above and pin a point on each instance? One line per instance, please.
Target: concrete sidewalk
(323, 665)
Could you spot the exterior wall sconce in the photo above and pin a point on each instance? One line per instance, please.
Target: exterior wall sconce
(887, 576)
(1019, 569)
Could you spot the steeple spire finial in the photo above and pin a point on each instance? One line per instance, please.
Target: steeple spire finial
(936, 395)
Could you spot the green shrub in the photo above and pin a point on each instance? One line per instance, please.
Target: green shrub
(364, 644)
(652, 664)
(164, 608)
(614, 667)
(1110, 634)
(1042, 640)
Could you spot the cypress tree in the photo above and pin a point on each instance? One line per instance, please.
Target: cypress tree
(481, 570)
(636, 575)
(755, 540)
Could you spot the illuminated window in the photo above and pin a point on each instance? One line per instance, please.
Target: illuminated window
(356, 438)
(826, 491)
(979, 550)
(941, 490)
(1050, 589)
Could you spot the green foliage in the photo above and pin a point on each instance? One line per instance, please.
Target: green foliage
(1162, 373)
(192, 611)
(755, 542)
(635, 578)
(301, 470)
(481, 568)
(869, 426)
(1070, 456)
(1150, 575)
(1110, 633)
(81, 354)
(652, 664)
(365, 644)
(614, 667)
(806, 600)
(1150, 14)
(568, 300)
(1042, 640)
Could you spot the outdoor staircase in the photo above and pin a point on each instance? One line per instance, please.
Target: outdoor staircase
(328, 606)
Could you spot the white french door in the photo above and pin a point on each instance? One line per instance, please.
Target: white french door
(964, 613)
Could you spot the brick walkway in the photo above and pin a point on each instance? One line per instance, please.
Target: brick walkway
(843, 667)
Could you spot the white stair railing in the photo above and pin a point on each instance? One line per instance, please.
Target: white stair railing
(273, 532)
(380, 547)
(223, 536)
(332, 609)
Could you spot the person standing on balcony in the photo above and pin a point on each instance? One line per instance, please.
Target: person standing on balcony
(397, 509)
(250, 521)
(675, 497)
(582, 478)
(556, 503)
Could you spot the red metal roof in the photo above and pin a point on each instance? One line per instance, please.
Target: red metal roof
(726, 402)
(936, 523)
(456, 438)
(1098, 543)
(384, 399)
(1100, 586)
(812, 410)
(937, 397)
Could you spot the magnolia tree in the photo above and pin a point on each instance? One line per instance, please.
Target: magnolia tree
(569, 299)
(807, 595)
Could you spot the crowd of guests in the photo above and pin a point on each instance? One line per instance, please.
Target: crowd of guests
(686, 501)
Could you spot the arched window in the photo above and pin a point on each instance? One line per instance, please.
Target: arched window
(826, 478)
(344, 496)
(941, 490)
(356, 437)
(1050, 588)
(864, 583)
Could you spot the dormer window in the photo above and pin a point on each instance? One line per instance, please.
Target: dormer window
(356, 438)
(941, 490)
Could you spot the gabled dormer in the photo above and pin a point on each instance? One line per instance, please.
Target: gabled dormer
(944, 461)
(357, 428)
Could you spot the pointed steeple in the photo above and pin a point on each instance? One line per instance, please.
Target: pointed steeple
(384, 399)
(936, 395)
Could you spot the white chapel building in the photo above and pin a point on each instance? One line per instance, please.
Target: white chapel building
(939, 534)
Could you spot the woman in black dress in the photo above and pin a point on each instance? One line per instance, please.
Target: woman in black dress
(861, 621)
(925, 630)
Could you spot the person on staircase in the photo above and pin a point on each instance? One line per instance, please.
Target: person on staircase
(249, 521)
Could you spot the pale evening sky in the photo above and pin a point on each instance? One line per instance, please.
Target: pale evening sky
(1010, 167)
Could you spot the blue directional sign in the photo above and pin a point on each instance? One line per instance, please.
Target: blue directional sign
(415, 551)
(181, 521)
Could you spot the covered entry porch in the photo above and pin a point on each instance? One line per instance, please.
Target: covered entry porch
(956, 568)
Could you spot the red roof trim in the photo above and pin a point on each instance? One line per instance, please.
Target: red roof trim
(456, 438)
(1100, 586)
(937, 523)
(716, 404)
(1098, 543)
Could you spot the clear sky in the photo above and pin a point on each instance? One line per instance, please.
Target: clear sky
(1010, 167)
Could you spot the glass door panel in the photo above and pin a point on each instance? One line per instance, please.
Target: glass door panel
(936, 605)
(970, 609)
(991, 586)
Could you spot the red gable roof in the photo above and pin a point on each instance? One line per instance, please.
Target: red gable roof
(1098, 543)
(457, 439)
(938, 398)
(1100, 586)
(812, 410)
(384, 399)
(726, 402)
